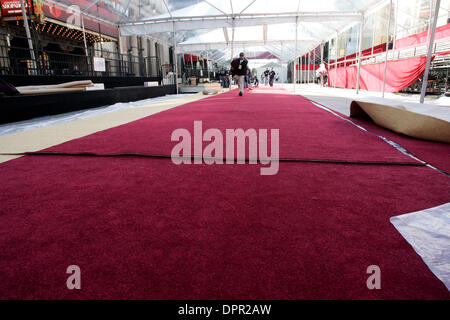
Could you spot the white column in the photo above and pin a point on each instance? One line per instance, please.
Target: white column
(387, 47)
(430, 50)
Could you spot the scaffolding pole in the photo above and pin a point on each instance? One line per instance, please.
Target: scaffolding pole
(387, 47)
(430, 50)
(361, 29)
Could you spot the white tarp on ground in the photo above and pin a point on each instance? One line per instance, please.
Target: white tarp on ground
(428, 232)
(46, 121)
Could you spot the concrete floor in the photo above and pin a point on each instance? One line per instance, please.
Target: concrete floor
(340, 99)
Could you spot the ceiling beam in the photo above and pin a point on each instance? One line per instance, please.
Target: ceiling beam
(219, 21)
(265, 32)
(223, 45)
(225, 34)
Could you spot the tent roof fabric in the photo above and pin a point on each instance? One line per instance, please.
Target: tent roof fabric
(259, 25)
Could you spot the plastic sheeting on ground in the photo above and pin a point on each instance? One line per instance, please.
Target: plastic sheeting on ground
(76, 115)
(399, 75)
(428, 232)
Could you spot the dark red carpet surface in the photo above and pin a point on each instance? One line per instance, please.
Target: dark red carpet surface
(435, 153)
(305, 130)
(144, 228)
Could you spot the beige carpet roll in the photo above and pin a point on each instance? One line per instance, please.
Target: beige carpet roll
(403, 121)
(55, 88)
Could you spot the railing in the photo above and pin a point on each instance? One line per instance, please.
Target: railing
(52, 60)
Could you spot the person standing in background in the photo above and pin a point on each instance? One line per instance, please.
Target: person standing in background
(266, 76)
(272, 77)
(239, 71)
(255, 80)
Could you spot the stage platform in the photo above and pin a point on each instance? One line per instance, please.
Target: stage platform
(22, 107)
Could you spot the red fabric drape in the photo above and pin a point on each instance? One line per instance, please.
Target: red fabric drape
(399, 75)
(187, 58)
(443, 53)
(305, 66)
(442, 33)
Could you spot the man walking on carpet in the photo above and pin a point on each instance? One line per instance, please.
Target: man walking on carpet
(239, 71)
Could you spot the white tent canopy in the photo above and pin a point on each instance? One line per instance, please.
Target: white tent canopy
(207, 26)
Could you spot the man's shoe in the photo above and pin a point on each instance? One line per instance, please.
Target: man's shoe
(240, 93)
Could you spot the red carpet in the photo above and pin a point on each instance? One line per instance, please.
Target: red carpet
(435, 153)
(305, 130)
(143, 228)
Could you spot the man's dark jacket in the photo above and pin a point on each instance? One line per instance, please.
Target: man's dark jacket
(235, 67)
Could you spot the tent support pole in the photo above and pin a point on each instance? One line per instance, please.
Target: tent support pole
(395, 28)
(232, 50)
(373, 34)
(27, 31)
(387, 47)
(361, 28)
(321, 62)
(309, 64)
(314, 61)
(295, 59)
(175, 62)
(207, 64)
(336, 59)
(430, 50)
